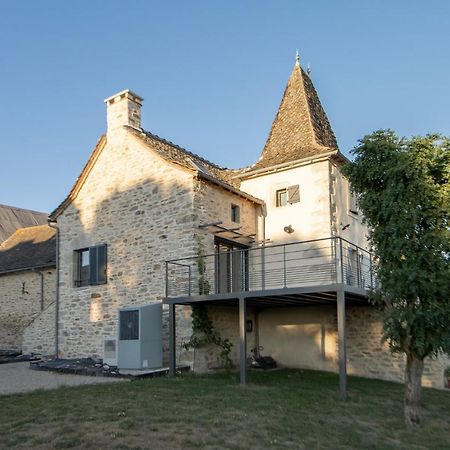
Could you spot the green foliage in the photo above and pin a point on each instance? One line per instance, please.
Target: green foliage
(203, 332)
(204, 287)
(403, 190)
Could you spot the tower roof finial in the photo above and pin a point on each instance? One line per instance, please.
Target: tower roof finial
(297, 58)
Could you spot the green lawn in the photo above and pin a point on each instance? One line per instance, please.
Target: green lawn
(278, 409)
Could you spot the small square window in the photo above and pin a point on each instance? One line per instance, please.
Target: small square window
(235, 213)
(282, 197)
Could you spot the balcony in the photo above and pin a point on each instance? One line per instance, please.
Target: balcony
(315, 272)
(313, 264)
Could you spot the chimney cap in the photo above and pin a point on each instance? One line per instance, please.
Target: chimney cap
(126, 93)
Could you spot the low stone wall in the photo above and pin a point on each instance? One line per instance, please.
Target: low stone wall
(368, 356)
(307, 338)
(20, 303)
(39, 335)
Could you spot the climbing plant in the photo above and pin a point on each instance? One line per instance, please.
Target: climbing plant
(203, 332)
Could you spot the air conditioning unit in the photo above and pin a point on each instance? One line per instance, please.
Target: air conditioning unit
(140, 337)
(110, 351)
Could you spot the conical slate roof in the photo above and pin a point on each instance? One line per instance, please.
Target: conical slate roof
(301, 128)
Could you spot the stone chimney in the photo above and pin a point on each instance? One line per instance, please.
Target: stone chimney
(122, 109)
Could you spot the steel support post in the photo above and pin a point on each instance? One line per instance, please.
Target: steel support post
(243, 340)
(172, 340)
(342, 343)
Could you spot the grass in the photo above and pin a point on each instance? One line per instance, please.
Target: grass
(278, 409)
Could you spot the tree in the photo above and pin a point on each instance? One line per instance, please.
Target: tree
(403, 191)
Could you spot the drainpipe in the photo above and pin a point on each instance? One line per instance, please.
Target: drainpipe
(52, 224)
(42, 286)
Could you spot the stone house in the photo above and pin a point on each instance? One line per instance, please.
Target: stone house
(27, 290)
(282, 237)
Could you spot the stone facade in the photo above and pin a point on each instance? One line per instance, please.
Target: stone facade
(21, 303)
(307, 338)
(369, 356)
(143, 211)
(146, 210)
(39, 336)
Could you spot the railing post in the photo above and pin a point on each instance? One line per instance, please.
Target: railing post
(284, 264)
(172, 341)
(189, 282)
(167, 279)
(371, 270)
(358, 268)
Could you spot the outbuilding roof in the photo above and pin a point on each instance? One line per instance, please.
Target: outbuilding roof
(12, 218)
(28, 248)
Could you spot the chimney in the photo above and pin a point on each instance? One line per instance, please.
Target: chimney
(122, 109)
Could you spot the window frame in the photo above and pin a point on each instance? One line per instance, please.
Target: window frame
(235, 212)
(278, 194)
(93, 277)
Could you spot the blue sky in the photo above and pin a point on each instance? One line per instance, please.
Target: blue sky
(212, 74)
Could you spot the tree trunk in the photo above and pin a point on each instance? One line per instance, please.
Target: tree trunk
(413, 389)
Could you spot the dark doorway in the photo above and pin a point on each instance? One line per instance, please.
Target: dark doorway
(231, 266)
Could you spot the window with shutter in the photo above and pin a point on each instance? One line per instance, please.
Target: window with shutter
(91, 266)
(288, 195)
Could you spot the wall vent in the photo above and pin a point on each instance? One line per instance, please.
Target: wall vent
(110, 351)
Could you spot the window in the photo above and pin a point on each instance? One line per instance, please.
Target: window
(235, 213)
(352, 201)
(282, 197)
(90, 266)
(288, 195)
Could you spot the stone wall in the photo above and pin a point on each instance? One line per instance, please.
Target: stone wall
(368, 356)
(226, 323)
(307, 338)
(213, 204)
(39, 335)
(20, 303)
(141, 207)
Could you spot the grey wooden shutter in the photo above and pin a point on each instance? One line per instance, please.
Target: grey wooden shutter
(101, 264)
(294, 194)
(97, 263)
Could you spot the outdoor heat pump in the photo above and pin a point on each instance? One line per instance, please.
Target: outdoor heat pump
(140, 337)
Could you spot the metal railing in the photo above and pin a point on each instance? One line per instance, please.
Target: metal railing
(307, 263)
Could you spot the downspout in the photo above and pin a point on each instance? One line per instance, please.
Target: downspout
(52, 224)
(42, 287)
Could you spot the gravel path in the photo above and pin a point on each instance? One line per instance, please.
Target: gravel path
(17, 378)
